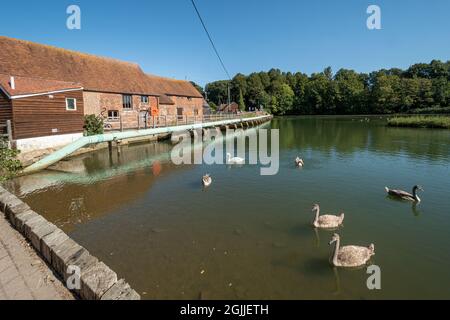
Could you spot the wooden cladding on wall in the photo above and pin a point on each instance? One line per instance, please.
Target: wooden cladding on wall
(47, 115)
(5, 110)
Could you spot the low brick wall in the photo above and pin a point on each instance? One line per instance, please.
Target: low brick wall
(97, 281)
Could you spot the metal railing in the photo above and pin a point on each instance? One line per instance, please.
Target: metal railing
(163, 121)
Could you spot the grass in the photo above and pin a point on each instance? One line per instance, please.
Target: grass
(437, 122)
(431, 110)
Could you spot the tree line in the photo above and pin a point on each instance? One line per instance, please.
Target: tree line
(422, 88)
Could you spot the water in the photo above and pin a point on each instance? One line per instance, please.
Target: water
(249, 236)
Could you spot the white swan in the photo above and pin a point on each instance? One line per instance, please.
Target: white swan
(235, 160)
(206, 180)
(326, 221)
(299, 162)
(350, 256)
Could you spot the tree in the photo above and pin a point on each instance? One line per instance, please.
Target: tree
(349, 92)
(241, 101)
(421, 86)
(255, 91)
(238, 86)
(282, 100)
(199, 88)
(385, 94)
(218, 91)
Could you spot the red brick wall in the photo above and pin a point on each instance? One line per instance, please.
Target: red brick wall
(97, 103)
(100, 103)
(188, 105)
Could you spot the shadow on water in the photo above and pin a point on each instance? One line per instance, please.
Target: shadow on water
(415, 207)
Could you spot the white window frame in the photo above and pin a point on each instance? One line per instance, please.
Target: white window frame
(113, 119)
(74, 103)
(146, 98)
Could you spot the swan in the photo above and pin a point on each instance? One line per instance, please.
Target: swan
(350, 256)
(326, 221)
(299, 162)
(235, 160)
(206, 180)
(405, 195)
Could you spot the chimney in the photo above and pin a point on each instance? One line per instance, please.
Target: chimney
(12, 83)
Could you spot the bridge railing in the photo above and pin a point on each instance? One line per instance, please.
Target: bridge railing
(162, 121)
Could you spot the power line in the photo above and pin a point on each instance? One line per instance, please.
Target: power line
(210, 39)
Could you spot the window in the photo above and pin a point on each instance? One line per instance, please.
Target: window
(195, 112)
(113, 115)
(71, 104)
(127, 102)
(144, 99)
(180, 111)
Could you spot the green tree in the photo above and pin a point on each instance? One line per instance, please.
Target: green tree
(283, 100)
(350, 92)
(241, 101)
(218, 91)
(422, 86)
(199, 88)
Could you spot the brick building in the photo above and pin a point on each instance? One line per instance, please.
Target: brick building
(231, 108)
(48, 77)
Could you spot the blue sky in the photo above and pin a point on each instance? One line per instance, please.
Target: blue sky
(166, 38)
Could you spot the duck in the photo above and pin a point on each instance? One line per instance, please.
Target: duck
(326, 221)
(206, 180)
(405, 195)
(235, 160)
(350, 256)
(299, 162)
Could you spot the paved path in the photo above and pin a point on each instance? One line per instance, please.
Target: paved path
(23, 274)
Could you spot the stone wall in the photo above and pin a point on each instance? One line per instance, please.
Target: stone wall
(97, 281)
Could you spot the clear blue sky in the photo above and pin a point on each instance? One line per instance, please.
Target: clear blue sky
(166, 38)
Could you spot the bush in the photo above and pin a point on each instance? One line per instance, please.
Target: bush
(9, 165)
(93, 125)
(213, 106)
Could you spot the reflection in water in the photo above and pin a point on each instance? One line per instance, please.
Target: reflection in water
(249, 236)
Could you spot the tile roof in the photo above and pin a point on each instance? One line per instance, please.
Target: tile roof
(27, 86)
(163, 99)
(94, 73)
(173, 87)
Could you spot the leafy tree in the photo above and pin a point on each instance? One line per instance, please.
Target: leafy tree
(284, 100)
(241, 101)
(349, 92)
(423, 86)
(218, 91)
(199, 88)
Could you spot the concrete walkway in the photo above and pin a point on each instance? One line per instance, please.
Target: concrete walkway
(23, 274)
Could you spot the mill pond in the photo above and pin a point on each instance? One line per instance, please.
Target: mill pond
(249, 236)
